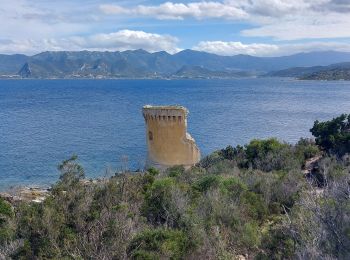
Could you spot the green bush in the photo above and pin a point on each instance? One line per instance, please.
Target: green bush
(255, 205)
(334, 135)
(266, 155)
(207, 182)
(277, 245)
(159, 244)
(269, 155)
(153, 171)
(211, 159)
(250, 237)
(5, 209)
(306, 149)
(233, 186)
(175, 171)
(157, 202)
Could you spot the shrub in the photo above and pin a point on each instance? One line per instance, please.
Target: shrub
(157, 204)
(334, 135)
(159, 244)
(207, 182)
(211, 159)
(233, 186)
(250, 237)
(175, 171)
(269, 155)
(153, 171)
(306, 149)
(5, 209)
(255, 205)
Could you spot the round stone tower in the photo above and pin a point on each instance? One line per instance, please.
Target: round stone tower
(168, 142)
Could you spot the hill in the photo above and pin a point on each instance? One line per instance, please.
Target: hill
(265, 200)
(338, 71)
(331, 74)
(142, 64)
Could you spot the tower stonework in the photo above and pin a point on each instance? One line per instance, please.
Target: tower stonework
(168, 142)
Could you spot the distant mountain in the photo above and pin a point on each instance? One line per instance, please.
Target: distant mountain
(331, 74)
(11, 64)
(142, 64)
(188, 72)
(338, 71)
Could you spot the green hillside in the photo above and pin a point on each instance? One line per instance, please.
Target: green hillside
(265, 200)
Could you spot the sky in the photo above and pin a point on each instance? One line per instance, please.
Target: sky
(224, 27)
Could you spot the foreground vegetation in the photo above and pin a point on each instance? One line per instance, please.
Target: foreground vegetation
(252, 201)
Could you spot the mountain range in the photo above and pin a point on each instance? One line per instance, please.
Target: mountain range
(142, 64)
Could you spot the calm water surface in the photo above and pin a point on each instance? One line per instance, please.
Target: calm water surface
(43, 122)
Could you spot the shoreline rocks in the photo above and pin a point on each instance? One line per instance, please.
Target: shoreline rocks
(29, 194)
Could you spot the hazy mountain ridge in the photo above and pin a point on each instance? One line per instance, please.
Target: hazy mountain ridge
(142, 64)
(338, 71)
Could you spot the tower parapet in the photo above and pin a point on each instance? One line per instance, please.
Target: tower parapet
(168, 142)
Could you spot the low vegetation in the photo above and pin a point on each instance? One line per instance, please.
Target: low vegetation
(330, 74)
(251, 201)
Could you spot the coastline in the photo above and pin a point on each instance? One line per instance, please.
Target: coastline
(38, 193)
(26, 193)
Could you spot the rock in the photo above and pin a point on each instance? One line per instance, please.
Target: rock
(25, 71)
(30, 194)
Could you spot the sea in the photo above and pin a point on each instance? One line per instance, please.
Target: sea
(43, 122)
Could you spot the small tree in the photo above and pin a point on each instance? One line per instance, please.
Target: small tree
(334, 135)
(71, 172)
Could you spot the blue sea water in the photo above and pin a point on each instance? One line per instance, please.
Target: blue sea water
(43, 122)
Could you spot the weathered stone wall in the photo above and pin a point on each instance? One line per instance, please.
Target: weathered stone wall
(168, 142)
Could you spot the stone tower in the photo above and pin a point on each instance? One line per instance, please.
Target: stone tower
(168, 142)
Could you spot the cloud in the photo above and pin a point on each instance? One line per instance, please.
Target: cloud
(268, 50)
(340, 6)
(171, 11)
(279, 19)
(23, 19)
(30, 46)
(128, 40)
(35, 26)
(309, 29)
(131, 40)
(271, 8)
(227, 9)
(316, 19)
(116, 41)
(234, 48)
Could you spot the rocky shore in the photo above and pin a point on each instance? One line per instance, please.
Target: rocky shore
(37, 193)
(29, 194)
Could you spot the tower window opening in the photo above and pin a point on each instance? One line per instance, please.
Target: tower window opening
(150, 136)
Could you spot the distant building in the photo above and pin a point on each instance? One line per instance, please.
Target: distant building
(168, 142)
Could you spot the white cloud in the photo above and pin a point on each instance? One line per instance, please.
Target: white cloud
(117, 41)
(305, 27)
(268, 50)
(35, 26)
(169, 10)
(279, 19)
(234, 48)
(226, 9)
(23, 19)
(29, 46)
(128, 40)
